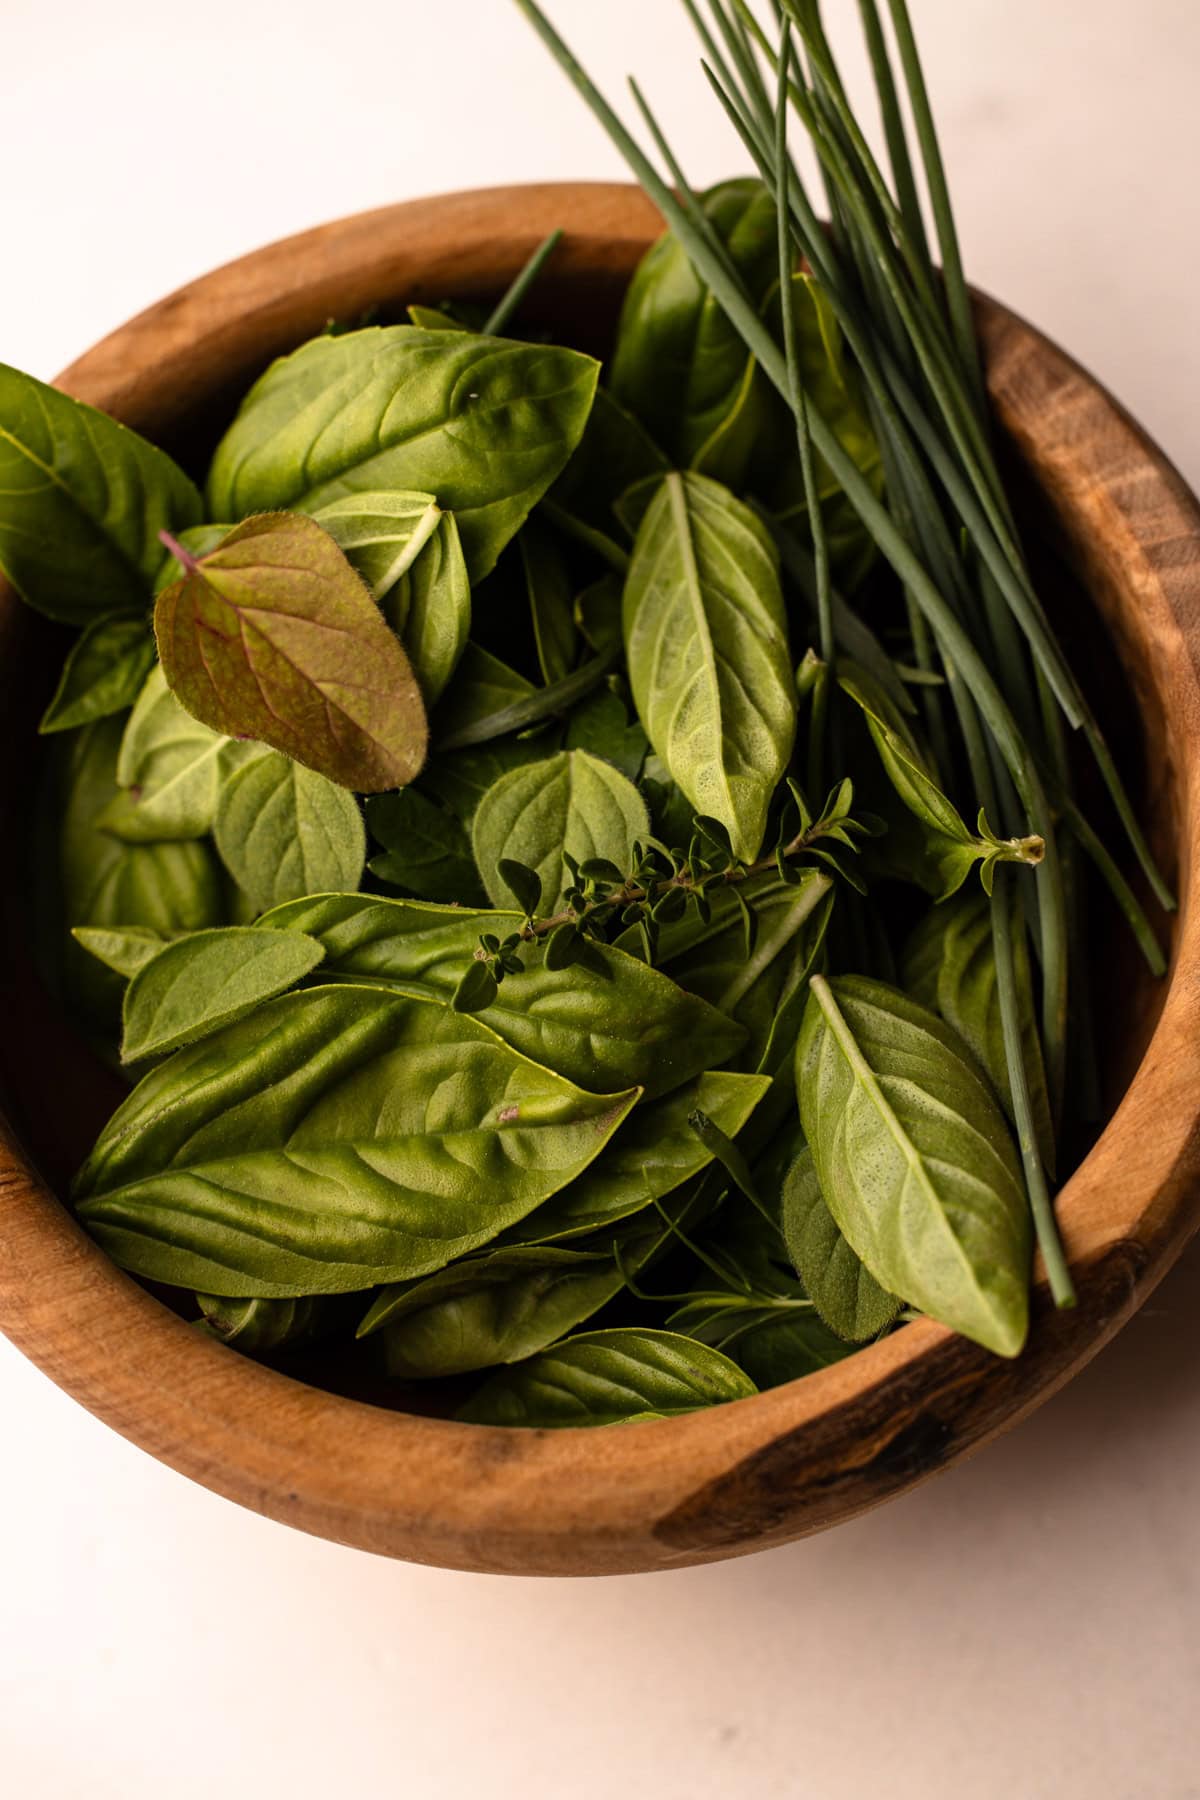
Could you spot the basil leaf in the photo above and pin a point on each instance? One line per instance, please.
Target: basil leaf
(950, 967)
(207, 980)
(408, 552)
(601, 725)
(572, 803)
(765, 991)
(482, 686)
(483, 423)
(914, 1158)
(460, 778)
(629, 1024)
(283, 831)
(259, 1326)
(542, 704)
(427, 851)
(126, 951)
(108, 884)
(653, 1153)
(336, 1138)
(708, 654)
(169, 769)
(548, 585)
(607, 1378)
(679, 364)
(839, 1284)
(273, 636)
(495, 1308)
(103, 673)
(82, 501)
(786, 1346)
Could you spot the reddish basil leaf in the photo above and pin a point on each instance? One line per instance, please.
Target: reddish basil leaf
(274, 636)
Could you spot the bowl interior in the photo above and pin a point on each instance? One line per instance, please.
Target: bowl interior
(59, 1092)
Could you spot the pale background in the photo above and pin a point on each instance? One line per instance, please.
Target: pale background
(1027, 1626)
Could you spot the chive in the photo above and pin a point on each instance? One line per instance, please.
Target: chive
(508, 303)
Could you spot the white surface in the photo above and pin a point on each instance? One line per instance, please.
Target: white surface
(1027, 1626)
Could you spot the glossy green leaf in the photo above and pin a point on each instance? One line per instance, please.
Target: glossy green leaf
(337, 1138)
(169, 770)
(679, 365)
(915, 1159)
(841, 1287)
(284, 831)
(708, 654)
(484, 424)
(551, 601)
(193, 987)
(608, 1378)
(82, 501)
(950, 967)
(628, 1024)
(426, 850)
(408, 552)
(273, 636)
(601, 725)
(105, 883)
(571, 802)
(652, 1154)
(103, 673)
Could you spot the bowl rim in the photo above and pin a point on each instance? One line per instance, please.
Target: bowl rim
(794, 1459)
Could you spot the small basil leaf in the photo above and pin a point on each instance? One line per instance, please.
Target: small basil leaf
(273, 636)
(914, 1158)
(572, 803)
(82, 501)
(334, 1139)
(708, 654)
(839, 1284)
(460, 778)
(652, 1154)
(257, 1327)
(607, 1378)
(630, 1024)
(483, 423)
(380, 534)
(207, 980)
(482, 686)
(103, 673)
(126, 951)
(169, 770)
(198, 540)
(283, 831)
(614, 452)
(427, 851)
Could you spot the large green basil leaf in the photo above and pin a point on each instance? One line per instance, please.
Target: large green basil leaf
(654, 1152)
(208, 979)
(709, 663)
(571, 802)
(82, 501)
(679, 365)
(426, 849)
(103, 673)
(766, 990)
(837, 1281)
(950, 967)
(408, 552)
(914, 1158)
(337, 1138)
(484, 424)
(626, 1025)
(608, 1377)
(107, 884)
(169, 770)
(283, 831)
(273, 636)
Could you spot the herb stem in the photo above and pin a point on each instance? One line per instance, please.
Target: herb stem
(509, 301)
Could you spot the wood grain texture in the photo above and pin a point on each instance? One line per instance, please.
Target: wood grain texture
(739, 1477)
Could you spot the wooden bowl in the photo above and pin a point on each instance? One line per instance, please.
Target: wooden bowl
(739, 1477)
